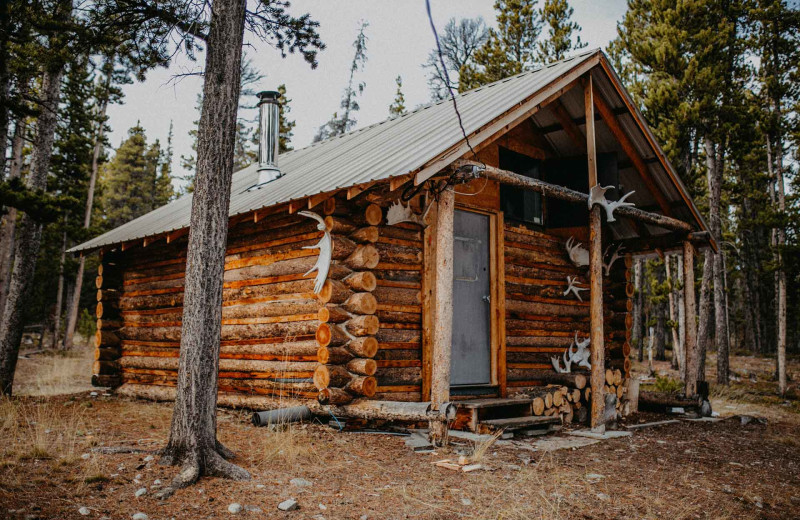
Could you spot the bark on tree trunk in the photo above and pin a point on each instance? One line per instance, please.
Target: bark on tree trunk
(704, 323)
(638, 308)
(30, 232)
(193, 440)
(715, 167)
(74, 308)
(661, 318)
(9, 225)
(691, 359)
(60, 293)
(780, 239)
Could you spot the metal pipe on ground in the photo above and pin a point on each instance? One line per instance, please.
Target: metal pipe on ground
(281, 416)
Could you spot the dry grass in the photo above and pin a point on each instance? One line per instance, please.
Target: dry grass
(480, 448)
(54, 373)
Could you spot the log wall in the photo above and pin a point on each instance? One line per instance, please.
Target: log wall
(541, 321)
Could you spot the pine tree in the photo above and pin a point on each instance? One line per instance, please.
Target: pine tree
(557, 15)
(133, 181)
(286, 125)
(398, 106)
(459, 41)
(509, 49)
(340, 124)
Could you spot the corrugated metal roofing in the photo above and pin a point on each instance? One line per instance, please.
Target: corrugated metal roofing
(394, 147)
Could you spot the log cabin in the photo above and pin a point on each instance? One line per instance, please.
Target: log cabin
(403, 271)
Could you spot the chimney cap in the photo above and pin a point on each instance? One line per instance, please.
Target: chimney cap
(268, 96)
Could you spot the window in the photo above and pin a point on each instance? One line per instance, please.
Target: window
(517, 204)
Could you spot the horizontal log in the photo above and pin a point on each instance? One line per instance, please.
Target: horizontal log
(399, 376)
(229, 365)
(365, 386)
(339, 225)
(361, 303)
(333, 356)
(383, 410)
(251, 402)
(366, 235)
(330, 334)
(397, 295)
(366, 325)
(365, 347)
(334, 396)
(393, 253)
(365, 256)
(291, 266)
(332, 313)
(361, 281)
(566, 194)
(362, 366)
(335, 376)
(107, 338)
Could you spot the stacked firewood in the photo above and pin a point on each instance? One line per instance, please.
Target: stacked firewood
(347, 326)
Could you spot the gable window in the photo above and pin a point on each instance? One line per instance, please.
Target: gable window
(517, 204)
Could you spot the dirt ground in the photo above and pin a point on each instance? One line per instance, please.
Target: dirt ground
(685, 470)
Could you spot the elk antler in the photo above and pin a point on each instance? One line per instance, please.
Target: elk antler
(323, 264)
(572, 287)
(614, 257)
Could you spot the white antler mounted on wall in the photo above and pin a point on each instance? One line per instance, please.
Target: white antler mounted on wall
(614, 257)
(578, 254)
(597, 195)
(323, 264)
(572, 287)
(399, 213)
(579, 357)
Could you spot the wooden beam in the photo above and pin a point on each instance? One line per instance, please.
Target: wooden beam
(627, 146)
(443, 313)
(690, 323)
(549, 129)
(568, 125)
(396, 182)
(296, 205)
(577, 197)
(354, 191)
(428, 296)
(597, 347)
(319, 198)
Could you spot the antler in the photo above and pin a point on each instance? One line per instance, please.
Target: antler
(572, 286)
(614, 257)
(597, 195)
(323, 264)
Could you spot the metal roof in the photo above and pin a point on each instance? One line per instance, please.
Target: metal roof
(397, 146)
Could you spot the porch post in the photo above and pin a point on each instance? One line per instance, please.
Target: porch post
(595, 271)
(442, 312)
(689, 315)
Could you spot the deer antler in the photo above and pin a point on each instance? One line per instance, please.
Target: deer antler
(578, 254)
(614, 257)
(597, 195)
(572, 287)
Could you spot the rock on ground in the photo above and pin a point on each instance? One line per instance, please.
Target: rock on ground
(288, 505)
(235, 508)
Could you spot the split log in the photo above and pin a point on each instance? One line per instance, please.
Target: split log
(609, 377)
(367, 325)
(361, 281)
(538, 406)
(576, 380)
(331, 376)
(617, 377)
(558, 399)
(334, 396)
(363, 386)
(362, 366)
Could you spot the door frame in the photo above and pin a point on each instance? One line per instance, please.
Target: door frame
(497, 312)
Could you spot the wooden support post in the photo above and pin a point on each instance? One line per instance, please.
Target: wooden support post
(690, 325)
(595, 272)
(442, 313)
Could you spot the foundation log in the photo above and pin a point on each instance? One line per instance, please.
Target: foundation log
(362, 386)
(334, 396)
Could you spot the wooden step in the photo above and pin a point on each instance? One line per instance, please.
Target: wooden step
(518, 423)
(479, 404)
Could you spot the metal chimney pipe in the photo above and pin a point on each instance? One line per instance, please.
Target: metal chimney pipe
(268, 130)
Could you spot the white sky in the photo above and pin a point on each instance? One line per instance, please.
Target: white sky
(400, 39)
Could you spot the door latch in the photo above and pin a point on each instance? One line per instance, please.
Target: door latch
(487, 298)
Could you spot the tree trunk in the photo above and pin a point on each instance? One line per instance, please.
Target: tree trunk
(9, 223)
(704, 322)
(193, 433)
(60, 293)
(715, 167)
(74, 307)
(30, 231)
(661, 317)
(638, 308)
(780, 275)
